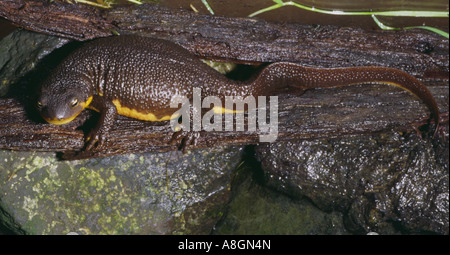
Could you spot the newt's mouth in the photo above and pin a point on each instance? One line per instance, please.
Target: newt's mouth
(57, 121)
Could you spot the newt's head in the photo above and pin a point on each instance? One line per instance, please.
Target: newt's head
(63, 97)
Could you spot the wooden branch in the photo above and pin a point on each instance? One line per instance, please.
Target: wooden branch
(74, 21)
(318, 113)
(245, 40)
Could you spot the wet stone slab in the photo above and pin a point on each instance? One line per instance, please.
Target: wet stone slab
(387, 183)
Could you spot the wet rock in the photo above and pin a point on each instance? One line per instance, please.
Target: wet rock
(387, 183)
(254, 209)
(153, 193)
(20, 51)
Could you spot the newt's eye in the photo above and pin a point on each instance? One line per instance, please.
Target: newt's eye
(74, 103)
(39, 105)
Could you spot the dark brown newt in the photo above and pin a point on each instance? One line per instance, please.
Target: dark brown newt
(137, 77)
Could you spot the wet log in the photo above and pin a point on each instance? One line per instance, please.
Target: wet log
(74, 21)
(317, 113)
(245, 40)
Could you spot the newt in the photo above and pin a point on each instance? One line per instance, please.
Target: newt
(137, 77)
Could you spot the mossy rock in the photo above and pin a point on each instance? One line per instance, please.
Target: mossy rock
(152, 193)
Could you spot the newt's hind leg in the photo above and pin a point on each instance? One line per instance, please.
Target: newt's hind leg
(185, 139)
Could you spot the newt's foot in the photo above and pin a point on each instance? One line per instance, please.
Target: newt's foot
(94, 143)
(185, 139)
(425, 124)
(95, 140)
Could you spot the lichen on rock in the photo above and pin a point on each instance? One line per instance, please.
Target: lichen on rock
(128, 194)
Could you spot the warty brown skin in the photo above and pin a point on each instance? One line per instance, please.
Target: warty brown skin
(143, 74)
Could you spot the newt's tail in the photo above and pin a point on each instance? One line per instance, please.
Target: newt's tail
(295, 78)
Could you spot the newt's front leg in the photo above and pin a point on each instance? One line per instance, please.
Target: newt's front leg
(95, 140)
(108, 112)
